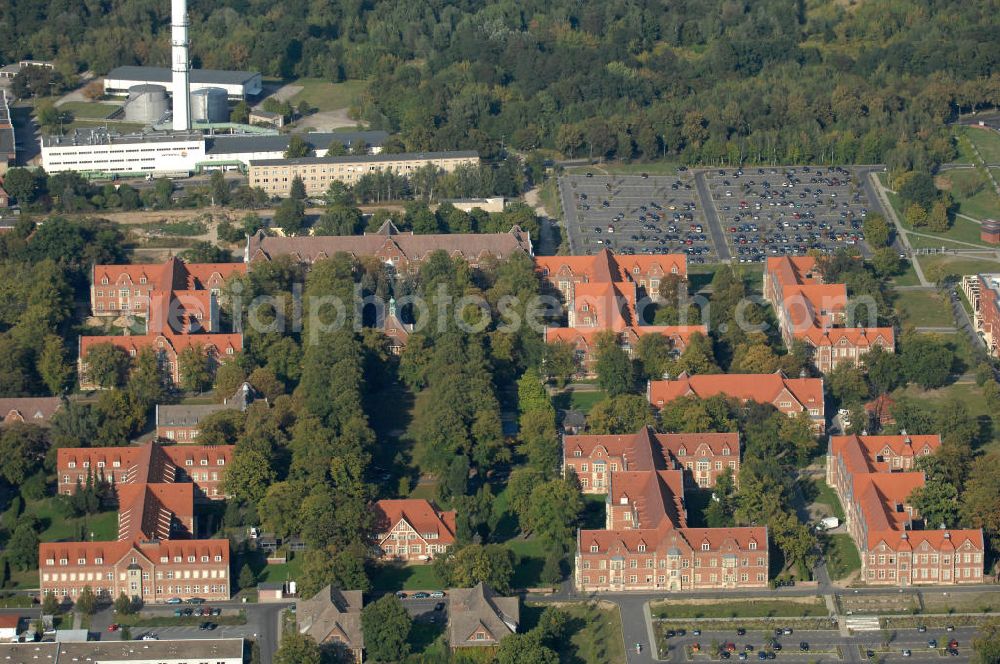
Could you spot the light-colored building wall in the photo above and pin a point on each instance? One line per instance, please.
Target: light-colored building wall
(275, 176)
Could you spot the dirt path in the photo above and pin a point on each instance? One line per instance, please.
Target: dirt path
(329, 120)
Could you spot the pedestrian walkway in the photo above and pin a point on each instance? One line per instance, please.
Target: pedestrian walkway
(861, 624)
(890, 214)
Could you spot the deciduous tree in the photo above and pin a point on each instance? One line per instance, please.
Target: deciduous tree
(386, 625)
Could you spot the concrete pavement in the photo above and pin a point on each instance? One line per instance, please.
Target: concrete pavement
(712, 218)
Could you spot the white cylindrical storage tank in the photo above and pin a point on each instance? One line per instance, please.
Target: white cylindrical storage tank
(146, 103)
(210, 105)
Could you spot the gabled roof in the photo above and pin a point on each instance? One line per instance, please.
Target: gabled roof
(655, 497)
(849, 336)
(332, 615)
(762, 388)
(419, 513)
(33, 410)
(866, 454)
(606, 266)
(470, 246)
(679, 334)
(690, 443)
(939, 540)
(478, 607)
(135, 343)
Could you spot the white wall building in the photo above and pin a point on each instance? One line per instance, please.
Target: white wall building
(237, 84)
(179, 651)
(98, 150)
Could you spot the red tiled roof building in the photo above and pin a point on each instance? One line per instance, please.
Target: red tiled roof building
(154, 557)
(815, 313)
(791, 396)
(646, 543)
(874, 477)
(412, 530)
(701, 456)
(180, 304)
(601, 293)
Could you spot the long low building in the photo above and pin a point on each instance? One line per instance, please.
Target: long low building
(101, 151)
(237, 84)
(275, 176)
(8, 143)
(173, 651)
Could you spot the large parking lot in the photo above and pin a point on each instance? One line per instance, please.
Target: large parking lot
(712, 215)
(633, 214)
(787, 210)
(904, 646)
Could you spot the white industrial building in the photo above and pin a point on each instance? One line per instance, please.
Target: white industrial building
(101, 152)
(237, 84)
(175, 651)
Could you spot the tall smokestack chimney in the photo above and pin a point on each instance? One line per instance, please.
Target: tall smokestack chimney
(181, 65)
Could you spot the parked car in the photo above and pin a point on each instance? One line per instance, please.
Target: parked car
(218, 612)
(196, 600)
(421, 595)
(400, 594)
(113, 627)
(178, 613)
(439, 606)
(804, 646)
(932, 643)
(437, 593)
(907, 652)
(174, 600)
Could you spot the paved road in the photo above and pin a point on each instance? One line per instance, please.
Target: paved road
(712, 217)
(824, 643)
(876, 194)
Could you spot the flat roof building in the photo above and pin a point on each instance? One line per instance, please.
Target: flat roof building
(275, 175)
(98, 150)
(173, 651)
(242, 149)
(237, 84)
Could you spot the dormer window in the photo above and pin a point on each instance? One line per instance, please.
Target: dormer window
(204, 559)
(635, 270)
(642, 548)
(204, 462)
(72, 464)
(98, 561)
(577, 453)
(753, 545)
(705, 546)
(116, 464)
(725, 451)
(190, 559)
(81, 561)
(142, 279)
(682, 452)
(164, 559)
(623, 500)
(86, 464)
(593, 548)
(218, 559)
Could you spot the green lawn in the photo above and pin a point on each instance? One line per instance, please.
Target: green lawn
(85, 110)
(984, 204)
(530, 560)
(841, 556)
(595, 632)
(635, 168)
(907, 278)
(827, 496)
(741, 608)
(290, 571)
(150, 620)
(987, 140)
(584, 401)
(328, 96)
(956, 265)
(965, 153)
(969, 394)
(57, 528)
(962, 230)
(406, 577)
(923, 309)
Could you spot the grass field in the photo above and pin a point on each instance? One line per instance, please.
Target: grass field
(742, 608)
(530, 560)
(176, 228)
(650, 168)
(923, 309)
(907, 278)
(290, 571)
(983, 602)
(984, 204)
(962, 230)
(969, 394)
(937, 265)
(58, 528)
(842, 556)
(827, 496)
(391, 577)
(88, 110)
(964, 147)
(149, 620)
(987, 140)
(595, 632)
(328, 96)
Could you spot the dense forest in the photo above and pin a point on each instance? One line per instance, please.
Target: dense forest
(714, 80)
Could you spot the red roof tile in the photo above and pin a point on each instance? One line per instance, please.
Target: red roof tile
(419, 513)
